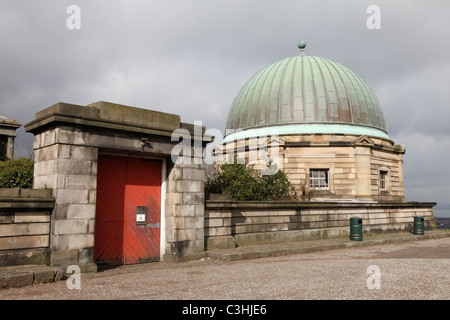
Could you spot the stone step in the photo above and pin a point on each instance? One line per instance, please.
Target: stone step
(297, 247)
(25, 275)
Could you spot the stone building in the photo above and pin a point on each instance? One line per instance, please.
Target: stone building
(330, 129)
(8, 129)
(323, 125)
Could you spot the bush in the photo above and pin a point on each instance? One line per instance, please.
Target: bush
(276, 187)
(16, 173)
(242, 182)
(305, 191)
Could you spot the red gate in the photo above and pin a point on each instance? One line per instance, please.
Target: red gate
(128, 210)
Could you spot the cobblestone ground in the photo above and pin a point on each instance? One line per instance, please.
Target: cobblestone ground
(408, 270)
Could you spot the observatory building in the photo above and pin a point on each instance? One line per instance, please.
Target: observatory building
(321, 124)
(329, 126)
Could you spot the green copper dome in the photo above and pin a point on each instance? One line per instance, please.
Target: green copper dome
(304, 95)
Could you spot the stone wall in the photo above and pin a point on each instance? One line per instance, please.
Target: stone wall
(229, 223)
(25, 226)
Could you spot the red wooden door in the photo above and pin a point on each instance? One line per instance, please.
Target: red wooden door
(125, 187)
(142, 189)
(108, 237)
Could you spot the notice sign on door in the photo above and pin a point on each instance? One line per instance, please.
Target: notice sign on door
(141, 215)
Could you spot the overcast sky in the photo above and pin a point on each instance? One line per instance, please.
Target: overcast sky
(191, 57)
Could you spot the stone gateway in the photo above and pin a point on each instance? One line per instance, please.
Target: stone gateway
(107, 165)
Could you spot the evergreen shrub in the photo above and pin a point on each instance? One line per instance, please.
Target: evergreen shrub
(16, 173)
(244, 183)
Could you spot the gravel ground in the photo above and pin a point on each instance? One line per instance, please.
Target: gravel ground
(408, 270)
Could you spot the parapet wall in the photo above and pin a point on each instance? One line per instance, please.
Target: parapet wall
(25, 226)
(229, 223)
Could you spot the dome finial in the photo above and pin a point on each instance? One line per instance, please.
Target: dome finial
(301, 45)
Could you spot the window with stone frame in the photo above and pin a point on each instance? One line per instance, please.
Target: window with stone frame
(383, 184)
(319, 179)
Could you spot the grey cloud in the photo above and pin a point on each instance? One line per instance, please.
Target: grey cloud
(192, 57)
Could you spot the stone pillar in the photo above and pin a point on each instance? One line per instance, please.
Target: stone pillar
(70, 170)
(363, 177)
(10, 148)
(185, 200)
(401, 193)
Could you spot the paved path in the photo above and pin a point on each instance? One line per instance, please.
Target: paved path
(417, 269)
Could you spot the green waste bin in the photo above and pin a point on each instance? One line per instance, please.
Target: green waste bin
(356, 229)
(418, 225)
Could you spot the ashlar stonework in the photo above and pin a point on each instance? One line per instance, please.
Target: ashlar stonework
(68, 141)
